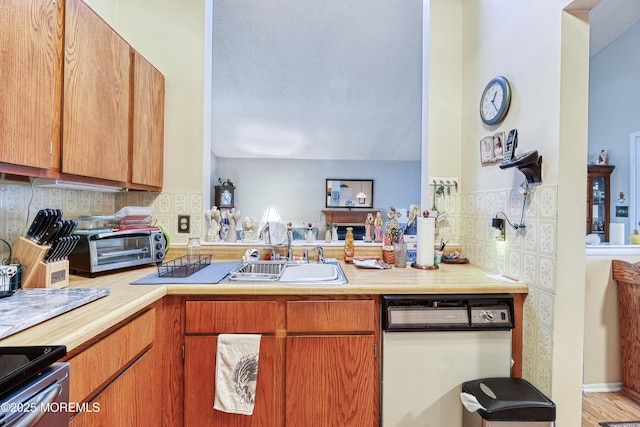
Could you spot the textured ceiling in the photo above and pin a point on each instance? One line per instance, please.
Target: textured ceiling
(609, 20)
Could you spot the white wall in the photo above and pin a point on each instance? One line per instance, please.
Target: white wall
(301, 79)
(544, 54)
(302, 92)
(614, 109)
(297, 187)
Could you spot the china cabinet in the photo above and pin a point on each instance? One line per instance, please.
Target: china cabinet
(599, 200)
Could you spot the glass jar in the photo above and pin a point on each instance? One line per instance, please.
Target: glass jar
(193, 250)
(349, 249)
(400, 254)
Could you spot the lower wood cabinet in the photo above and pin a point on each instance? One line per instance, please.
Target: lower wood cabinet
(199, 383)
(116, 380)
(331, 381)
(130, 400)
(319, 361)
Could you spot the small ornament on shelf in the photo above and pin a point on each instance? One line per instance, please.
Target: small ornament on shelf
(369, 228)
(224, 194)
(377, 227)
(232, 216)
(412, 222)
(310, 236)
(213, 220)
(602, 158)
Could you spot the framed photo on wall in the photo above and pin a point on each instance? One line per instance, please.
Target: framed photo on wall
(486, 150)
(498, 146)
(492, 148)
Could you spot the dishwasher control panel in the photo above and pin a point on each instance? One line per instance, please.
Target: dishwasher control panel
(402, 313)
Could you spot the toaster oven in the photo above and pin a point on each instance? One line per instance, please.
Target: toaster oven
(104, 251)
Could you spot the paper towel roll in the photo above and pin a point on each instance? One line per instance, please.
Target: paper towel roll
(426, 241)
(616, 233)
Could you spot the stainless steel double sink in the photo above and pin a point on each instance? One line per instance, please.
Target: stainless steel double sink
(326, 273)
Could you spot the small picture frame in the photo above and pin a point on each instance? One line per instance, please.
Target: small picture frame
(498, 146)
(492, 148)
(622, 211)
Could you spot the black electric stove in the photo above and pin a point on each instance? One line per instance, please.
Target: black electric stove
(18, 364)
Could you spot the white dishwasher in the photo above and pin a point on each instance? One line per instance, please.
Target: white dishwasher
(434, 343)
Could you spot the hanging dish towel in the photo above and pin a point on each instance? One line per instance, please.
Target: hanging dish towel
(278, 232)
(236, 373)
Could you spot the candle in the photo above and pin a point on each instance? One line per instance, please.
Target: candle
(426, 241)
(616, 233)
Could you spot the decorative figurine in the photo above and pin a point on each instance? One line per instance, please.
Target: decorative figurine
(412, 223)
(250, 228)
(310, 235)
(602, 158)
(393, 227)
(377, 227)
(212, 217)
(334, 233)
(327, 234)
(368, 228)
(232, 217)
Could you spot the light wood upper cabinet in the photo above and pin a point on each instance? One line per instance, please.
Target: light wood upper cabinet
(29, 69)
(147, 146)
(77, 101)
(96, 97)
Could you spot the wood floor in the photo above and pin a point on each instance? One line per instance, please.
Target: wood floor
(598, 407)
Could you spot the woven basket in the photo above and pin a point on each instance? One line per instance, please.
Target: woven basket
(388, 257)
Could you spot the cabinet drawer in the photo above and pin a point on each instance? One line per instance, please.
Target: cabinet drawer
(100, 363)
(331, 316)
(230, 317)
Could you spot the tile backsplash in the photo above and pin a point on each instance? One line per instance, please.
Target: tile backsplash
(20, 202)
(528, 254)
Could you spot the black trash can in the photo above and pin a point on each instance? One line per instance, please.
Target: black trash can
(508, 402)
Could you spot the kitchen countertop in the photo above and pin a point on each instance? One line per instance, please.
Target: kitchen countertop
(84, 323)
(29, 307)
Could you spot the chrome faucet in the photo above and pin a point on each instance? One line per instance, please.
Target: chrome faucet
(289, 242)
(320, 254)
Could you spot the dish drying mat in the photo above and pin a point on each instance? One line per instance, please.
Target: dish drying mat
(209, 275)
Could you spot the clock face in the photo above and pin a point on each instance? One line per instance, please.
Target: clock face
(226, 198)
(495, 101)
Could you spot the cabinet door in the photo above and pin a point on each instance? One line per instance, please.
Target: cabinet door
(29, 67)
(133, 399)
(331, 381)
(148, 124)
(97, 81)
(199, 386)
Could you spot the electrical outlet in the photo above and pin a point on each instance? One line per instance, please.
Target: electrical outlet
(184, 224)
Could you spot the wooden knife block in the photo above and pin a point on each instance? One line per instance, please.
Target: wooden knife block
(35, 272)
(52, 275)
